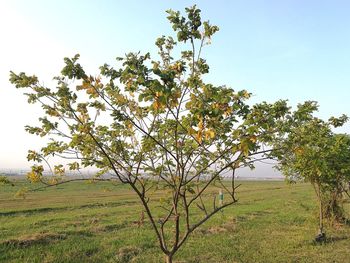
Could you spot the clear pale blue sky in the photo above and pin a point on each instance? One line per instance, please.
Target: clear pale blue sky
(297, 50)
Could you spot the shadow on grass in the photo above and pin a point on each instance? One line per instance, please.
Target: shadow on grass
(329, 240)
(347, 222)
(252, 215)
(55, 209)
(111, 227)
(78, 233)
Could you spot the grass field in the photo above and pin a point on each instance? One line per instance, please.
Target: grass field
(81, 222)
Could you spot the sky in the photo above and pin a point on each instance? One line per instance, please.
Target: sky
(297, 50)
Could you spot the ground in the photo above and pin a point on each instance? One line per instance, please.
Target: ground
(84, 222)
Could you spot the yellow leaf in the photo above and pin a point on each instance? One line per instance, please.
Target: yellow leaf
(120, 98)
(199, 137)
(244, 149)
(209, 134)
(156, 105)
(33, 177)
(200, 125)
(299, 150)
(245, 94)
(228, 111)
(177, 94)
(253, 138)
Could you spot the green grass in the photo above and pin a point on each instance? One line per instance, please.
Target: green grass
(80, 222)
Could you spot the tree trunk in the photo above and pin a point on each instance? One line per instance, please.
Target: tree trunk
(321, 237)
(321, 214)
(169, 258)
(317, 188)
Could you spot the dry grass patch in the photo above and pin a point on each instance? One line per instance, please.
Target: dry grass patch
(127, 254)
(38, 238)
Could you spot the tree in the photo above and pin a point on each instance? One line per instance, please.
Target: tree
(154, 125)
(338, 178)
(310, 151)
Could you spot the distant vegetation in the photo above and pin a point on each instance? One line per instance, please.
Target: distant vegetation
(4, 180)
